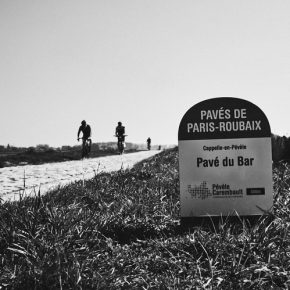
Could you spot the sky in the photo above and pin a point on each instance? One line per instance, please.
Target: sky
(141, 62)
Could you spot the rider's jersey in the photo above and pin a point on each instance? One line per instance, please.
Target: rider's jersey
(86, 131)
(120, 130)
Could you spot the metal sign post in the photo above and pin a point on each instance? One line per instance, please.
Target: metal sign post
(225, 159)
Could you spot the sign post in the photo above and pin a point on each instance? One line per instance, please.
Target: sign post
(225, 159)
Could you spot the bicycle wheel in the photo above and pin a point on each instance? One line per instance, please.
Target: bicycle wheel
(84, 151)
(87, 150)
(120, 147)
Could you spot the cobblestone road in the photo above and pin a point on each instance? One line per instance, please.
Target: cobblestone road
(50, 175)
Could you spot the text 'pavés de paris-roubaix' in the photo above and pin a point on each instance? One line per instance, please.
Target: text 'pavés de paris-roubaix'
(225, 159)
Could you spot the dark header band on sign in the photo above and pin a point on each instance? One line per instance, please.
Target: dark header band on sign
(224, 118)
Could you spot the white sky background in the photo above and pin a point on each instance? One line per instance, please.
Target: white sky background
(141, 62)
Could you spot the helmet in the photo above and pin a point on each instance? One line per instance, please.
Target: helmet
(119, 123)
(84, 122)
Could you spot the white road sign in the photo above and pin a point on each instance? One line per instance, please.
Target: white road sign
(225, 159)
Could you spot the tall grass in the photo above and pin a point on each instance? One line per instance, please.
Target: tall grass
(121, 231)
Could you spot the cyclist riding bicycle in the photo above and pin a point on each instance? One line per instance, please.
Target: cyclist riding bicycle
(120, 134)
(86, 130)
(149, 143)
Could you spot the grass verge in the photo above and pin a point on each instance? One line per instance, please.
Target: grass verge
(121, 231)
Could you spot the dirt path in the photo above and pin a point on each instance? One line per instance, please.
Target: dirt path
(50, 175)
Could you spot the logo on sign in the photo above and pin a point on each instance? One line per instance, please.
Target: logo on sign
(202, 191)
(199, 191)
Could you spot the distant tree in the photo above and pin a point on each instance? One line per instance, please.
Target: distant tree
(30, 150)
(13, 148)
(286, 153)
(42, 147)
(66, 148)
(95, 147)
(280, 148)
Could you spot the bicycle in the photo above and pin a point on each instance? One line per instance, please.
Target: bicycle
(86, 147)
(121, 143)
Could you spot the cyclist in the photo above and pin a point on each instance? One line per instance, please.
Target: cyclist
(120, 131)
(86, 130)
(120, 134)
(149, 143)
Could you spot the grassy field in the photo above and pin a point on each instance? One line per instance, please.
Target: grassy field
(122, 231)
